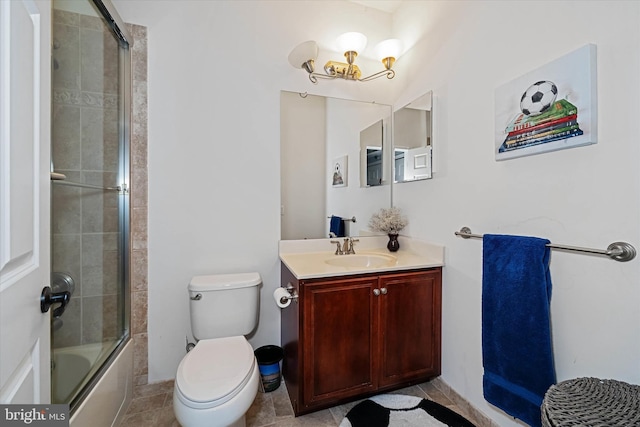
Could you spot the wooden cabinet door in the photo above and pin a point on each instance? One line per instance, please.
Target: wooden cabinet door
(339, 324)
(410, 321)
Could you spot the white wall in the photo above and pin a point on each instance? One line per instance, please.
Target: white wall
(586, 196)
(216, 69)
(214, 161)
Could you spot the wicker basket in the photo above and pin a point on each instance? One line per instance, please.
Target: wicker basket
(591, 402)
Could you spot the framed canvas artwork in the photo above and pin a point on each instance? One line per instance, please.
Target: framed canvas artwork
(550, 108)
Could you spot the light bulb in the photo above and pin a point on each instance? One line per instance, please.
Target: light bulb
(302, 53)
(352, 42)
(390, 48)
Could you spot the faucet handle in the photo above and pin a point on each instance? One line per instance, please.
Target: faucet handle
(345, 246)
(351, 240)
(338, 248)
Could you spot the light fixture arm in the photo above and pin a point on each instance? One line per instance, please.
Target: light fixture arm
(388, 63)
(389, 73)
(309, 67)
(314, 77)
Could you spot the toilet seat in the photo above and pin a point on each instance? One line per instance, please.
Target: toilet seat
(214, 371)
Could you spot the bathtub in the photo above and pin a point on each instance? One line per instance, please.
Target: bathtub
(109, 398)
(70, 367)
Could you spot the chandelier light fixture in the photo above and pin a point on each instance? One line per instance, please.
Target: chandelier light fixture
(305, 54)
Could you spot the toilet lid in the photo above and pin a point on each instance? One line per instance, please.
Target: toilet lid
(215, 369)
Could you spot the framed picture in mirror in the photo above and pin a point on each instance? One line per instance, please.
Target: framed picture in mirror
(340, 173)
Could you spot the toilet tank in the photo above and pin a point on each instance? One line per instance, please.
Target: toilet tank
(224, 305)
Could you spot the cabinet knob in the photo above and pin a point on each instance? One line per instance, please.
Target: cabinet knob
(383, 291)
(376, 292)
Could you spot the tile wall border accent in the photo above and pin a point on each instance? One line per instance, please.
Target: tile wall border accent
(138, 194)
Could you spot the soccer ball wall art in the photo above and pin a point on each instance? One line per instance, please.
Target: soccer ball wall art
(551, 108)
(538, 98)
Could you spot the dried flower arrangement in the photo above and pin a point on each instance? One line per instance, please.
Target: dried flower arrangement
(389, 221)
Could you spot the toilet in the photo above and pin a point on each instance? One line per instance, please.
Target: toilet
(217, 381)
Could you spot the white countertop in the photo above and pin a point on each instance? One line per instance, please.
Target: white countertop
(306, 259)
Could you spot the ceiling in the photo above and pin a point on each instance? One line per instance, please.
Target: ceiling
(388, 6)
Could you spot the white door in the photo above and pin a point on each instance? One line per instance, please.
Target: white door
(25, 104)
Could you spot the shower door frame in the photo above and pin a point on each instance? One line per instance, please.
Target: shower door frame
(125, 42)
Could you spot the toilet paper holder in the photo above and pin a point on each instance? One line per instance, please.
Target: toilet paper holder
(293, 294)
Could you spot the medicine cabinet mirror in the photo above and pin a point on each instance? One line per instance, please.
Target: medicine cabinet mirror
(316, 133)
(412, 140)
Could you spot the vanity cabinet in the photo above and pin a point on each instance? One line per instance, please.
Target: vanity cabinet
(352, 336)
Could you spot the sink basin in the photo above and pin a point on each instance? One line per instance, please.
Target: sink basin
(362, 260)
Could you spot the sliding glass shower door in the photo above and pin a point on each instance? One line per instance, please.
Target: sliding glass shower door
(91, 90)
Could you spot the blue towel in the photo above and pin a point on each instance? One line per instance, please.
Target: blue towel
(517, 353)
(337, 226)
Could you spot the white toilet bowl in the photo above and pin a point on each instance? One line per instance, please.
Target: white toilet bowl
(216, 383)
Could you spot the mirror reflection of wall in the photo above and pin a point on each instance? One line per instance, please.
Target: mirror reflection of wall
(315, 132)
(412, 139)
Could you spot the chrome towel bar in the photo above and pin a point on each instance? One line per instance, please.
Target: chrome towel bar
(60, 179)
(619, 251)
(352, 219)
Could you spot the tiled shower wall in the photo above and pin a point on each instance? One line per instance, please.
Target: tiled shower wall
(139, 204)
(85, 149)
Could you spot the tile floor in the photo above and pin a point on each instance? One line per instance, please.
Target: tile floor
(152, 406)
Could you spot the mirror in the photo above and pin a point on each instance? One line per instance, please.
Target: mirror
(412, 140)
(321, 137)
(374, 164)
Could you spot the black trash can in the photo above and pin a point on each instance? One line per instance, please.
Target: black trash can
(269, 357)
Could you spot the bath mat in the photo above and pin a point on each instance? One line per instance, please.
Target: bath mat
(394, 410)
